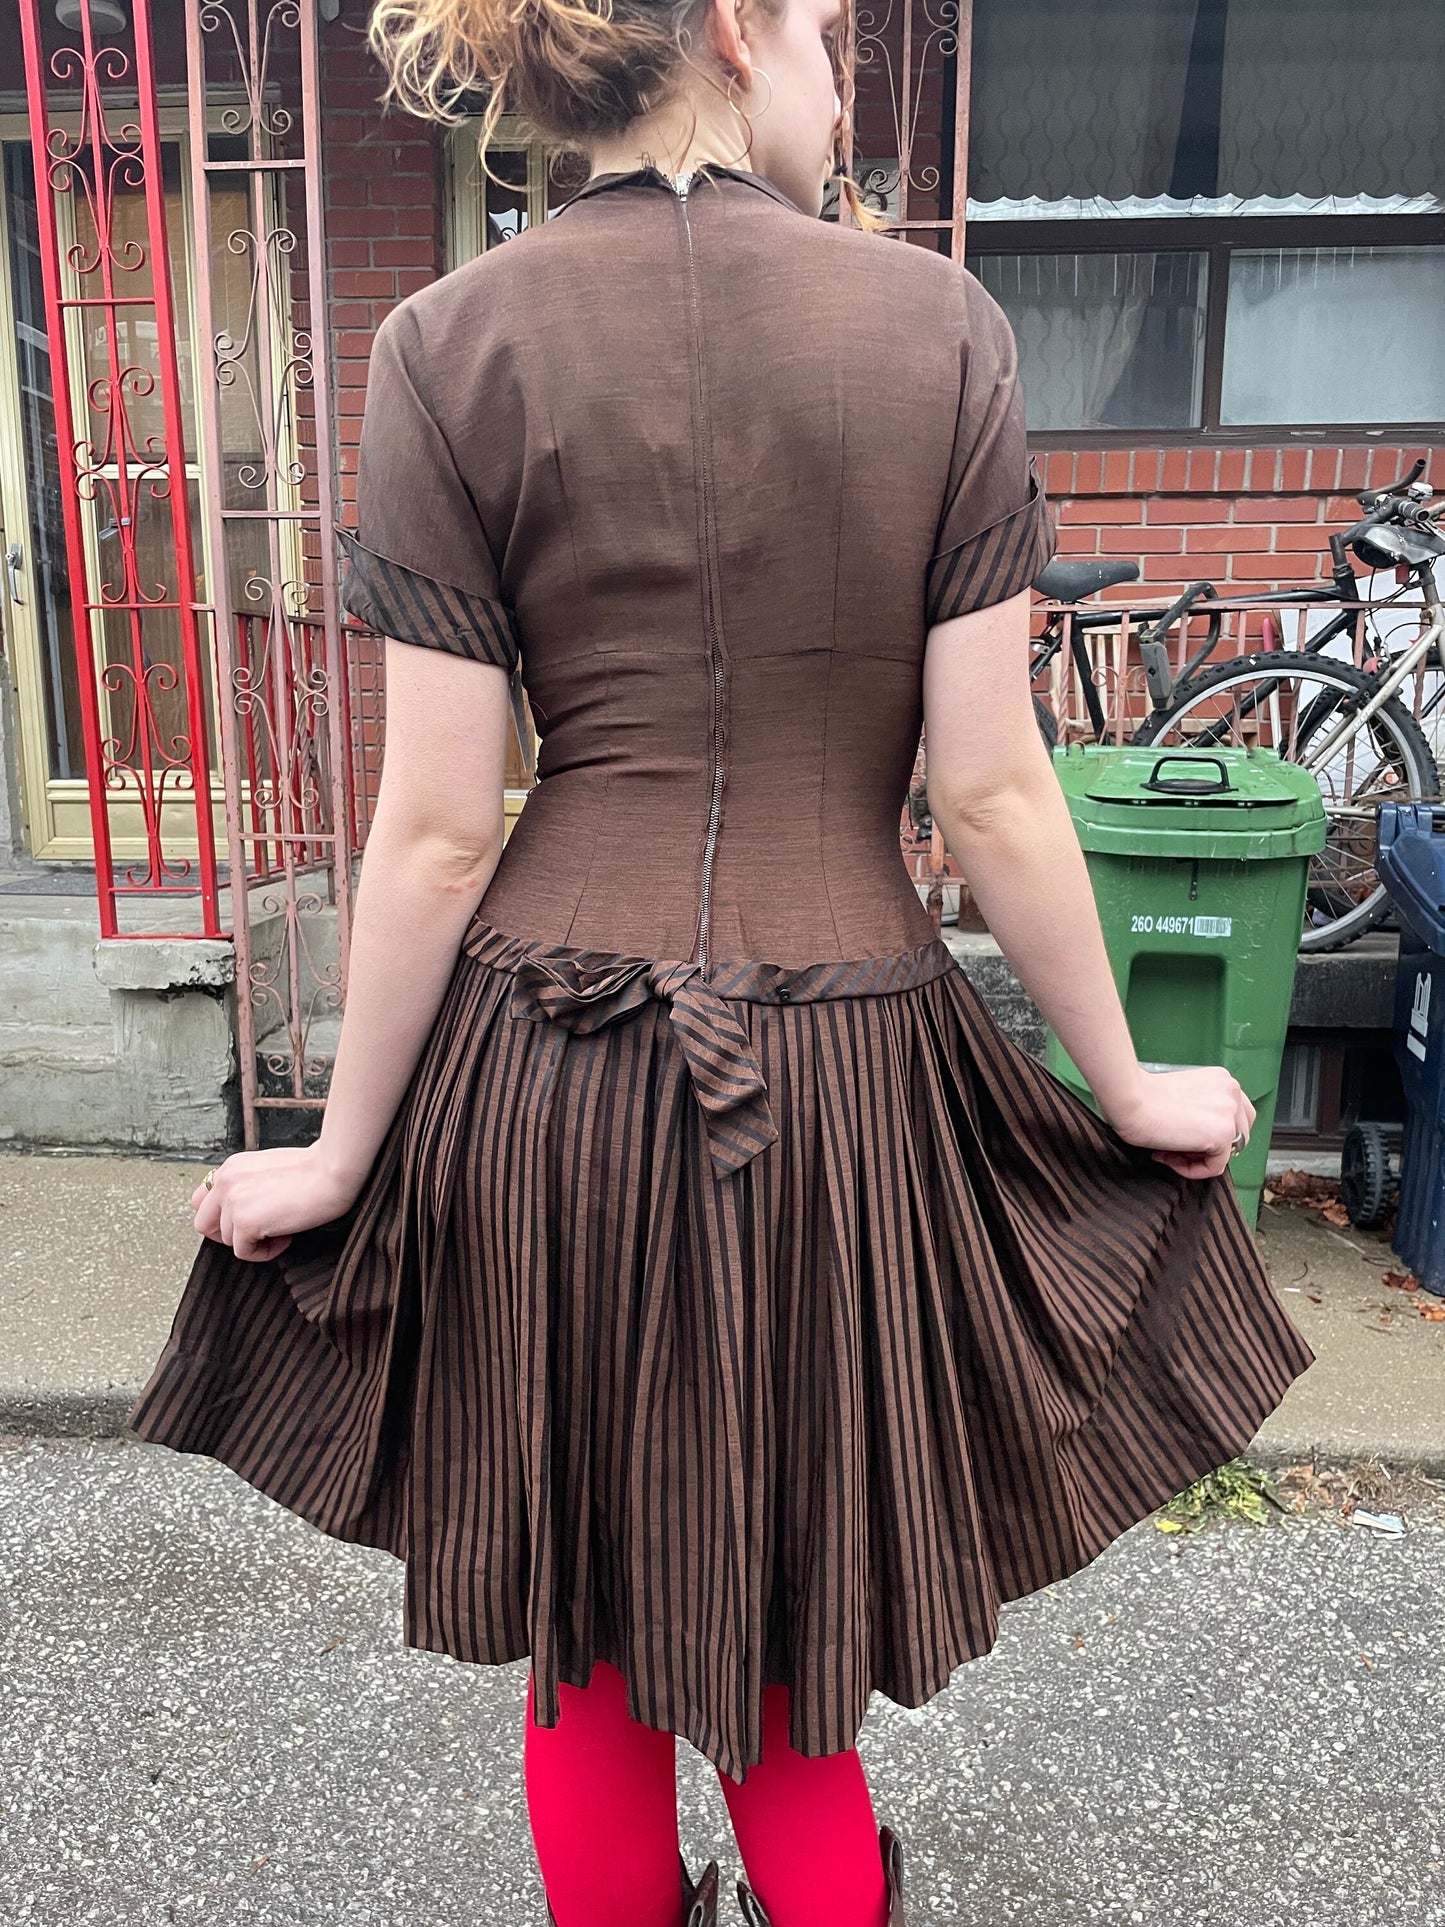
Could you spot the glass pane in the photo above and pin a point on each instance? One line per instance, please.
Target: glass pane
(504, 209)
(135, 328)
(1105, 340)
(1137, 107)
(143, 687)
(1335, 335)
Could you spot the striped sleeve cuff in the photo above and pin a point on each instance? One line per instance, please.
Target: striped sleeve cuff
(997, 562)
(396, 601)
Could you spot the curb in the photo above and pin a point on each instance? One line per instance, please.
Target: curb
(102, 1415)
(1274, 1452)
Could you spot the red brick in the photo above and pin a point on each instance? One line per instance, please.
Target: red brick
(1101, 508)
(346, 193)
(1294, 469)
(404, 190)
(1263, 475)
(1342, 508)
(1204, 469)
(410, 280)
(350, 254)
(1233, 464)
(352, 78)
(1355, 468)
(1078, 541)
(1324, 469)
(363, 163)
(1088, 471)
(1305, 536)
(1163, 568)
(373, 281)
(1116, 471)
(1277, 508)
(403, 254)
(1175, 475)
(1148, 463)
(1225, 539)
(1058, 467)
(1122, 592)
(1189, 508)
(1138, 541)
(370, 223)
(1282, 570)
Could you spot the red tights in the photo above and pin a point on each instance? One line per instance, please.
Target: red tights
(602, 1798)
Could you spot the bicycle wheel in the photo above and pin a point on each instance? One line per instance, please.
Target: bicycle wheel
(1288, 701)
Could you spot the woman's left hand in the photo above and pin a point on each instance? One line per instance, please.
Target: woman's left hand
(258, 1200)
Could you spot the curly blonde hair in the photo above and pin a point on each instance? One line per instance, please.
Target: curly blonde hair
(574, 71)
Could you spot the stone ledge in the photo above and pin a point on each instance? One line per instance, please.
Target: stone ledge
(165, 963)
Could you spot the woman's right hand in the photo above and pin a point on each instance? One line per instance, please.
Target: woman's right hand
(1188, 1118)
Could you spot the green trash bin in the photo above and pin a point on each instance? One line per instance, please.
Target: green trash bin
(1199, 861)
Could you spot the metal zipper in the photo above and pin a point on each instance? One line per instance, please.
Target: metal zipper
(701, 445)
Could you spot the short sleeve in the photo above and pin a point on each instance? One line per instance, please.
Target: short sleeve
(995, 530)
(418, 565)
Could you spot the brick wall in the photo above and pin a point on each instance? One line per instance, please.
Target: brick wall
(1242, 518)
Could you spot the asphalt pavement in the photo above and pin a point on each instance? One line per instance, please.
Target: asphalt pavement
(207, 1715)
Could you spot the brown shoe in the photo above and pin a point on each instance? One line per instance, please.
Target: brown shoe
(891, 1849)
(699, 1903)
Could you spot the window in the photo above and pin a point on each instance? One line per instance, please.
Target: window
(1213, 214)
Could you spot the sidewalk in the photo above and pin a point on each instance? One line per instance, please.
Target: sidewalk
(94, 1251)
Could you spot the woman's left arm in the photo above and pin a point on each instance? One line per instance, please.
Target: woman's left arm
(431, 851)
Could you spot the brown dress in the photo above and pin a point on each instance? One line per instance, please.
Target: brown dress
(730, 1299)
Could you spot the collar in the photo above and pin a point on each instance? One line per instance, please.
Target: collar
(653, 176)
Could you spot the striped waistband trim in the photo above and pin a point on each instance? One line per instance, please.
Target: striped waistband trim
(585, 990)
(748, 980)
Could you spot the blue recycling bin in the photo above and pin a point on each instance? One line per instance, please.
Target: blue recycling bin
(1411, 864)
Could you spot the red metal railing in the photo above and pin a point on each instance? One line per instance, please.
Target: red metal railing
(133, 748)
(285, 809)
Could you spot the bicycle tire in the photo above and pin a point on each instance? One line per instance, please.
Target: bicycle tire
(1405, 748)
(1048, 727)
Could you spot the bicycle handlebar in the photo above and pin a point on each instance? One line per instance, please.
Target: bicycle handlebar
(1370, 498)
(1382, 505)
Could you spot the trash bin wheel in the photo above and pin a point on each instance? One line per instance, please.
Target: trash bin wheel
(1365, 1175)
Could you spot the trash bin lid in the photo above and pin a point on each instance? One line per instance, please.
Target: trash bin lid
(1411, 865)
(1223, 803)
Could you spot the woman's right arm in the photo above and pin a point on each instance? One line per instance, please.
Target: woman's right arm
(998, 804)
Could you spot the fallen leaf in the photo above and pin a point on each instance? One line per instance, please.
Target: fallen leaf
(1400, 1280)
(1435, 1313)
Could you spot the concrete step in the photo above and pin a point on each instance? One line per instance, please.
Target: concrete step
(59, 1081)
(48, 973)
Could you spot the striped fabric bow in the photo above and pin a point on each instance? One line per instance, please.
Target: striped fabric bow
(724, 1071)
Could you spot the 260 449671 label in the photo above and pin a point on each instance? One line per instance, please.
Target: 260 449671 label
(1181, 926)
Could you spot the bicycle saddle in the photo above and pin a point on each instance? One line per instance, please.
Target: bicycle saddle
(1061, 581)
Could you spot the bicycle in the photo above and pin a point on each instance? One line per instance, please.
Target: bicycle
(1342, 720)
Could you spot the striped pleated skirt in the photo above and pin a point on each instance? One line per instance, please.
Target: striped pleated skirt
(776, 1326)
